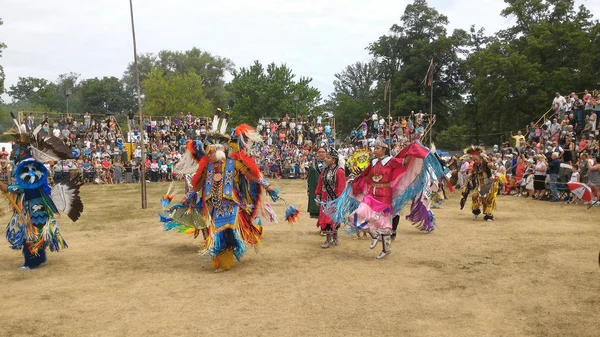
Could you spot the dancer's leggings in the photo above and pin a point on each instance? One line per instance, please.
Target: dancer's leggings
(395, 222)
(33, 261)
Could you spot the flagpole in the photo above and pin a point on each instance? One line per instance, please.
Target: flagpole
(139, 101)
(387, 95)
(431, 112)
(430, 83)
(389, 112)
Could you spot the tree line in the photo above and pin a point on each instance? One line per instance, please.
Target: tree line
(484, 85)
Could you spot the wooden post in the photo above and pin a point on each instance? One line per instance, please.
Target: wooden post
(139, 100)
(431, 112)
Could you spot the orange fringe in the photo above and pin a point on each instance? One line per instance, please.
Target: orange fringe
(242, 129)
(250, 234)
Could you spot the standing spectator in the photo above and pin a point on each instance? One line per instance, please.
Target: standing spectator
(558, 103)
(553, 174)
(118, 169)
(128, 172)
(154, 167)
(594, 178)
(539, 183)
(87, 120)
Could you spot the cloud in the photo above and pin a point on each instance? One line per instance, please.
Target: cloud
(315, 38)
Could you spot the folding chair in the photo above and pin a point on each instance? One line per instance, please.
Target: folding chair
(563, 179)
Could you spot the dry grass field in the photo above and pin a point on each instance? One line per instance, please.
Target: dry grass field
(532, 272)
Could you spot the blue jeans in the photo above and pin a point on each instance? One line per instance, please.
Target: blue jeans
(579, 117)
(554, 185)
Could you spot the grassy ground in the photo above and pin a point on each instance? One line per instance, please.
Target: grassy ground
(532, 272)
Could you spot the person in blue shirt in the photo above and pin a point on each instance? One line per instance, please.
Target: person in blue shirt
(76, 152)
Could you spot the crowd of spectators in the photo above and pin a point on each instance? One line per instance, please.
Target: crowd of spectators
(100, 144)
(399, 131)
(561, 147)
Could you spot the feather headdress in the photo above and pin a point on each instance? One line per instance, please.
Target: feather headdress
(476, 151)
(43, 146)
(358, 162)
(245, 137)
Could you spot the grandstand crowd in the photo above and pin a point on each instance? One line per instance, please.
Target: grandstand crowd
(562, 147)
(538, 162)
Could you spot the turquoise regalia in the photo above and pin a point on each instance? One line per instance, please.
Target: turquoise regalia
(32, 228)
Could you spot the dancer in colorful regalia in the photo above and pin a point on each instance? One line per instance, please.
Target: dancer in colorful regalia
(383, 189)
(224, 201)
(481, 185)
(355, 165)
(420, 214)
(438, 194)
(357, 162)
(32, 228)
(330, 186)
(314, 172)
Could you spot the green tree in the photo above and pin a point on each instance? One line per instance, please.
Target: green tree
(146, 63)
(506, 87)
(211, 69)
(510, 78)
(167, 95)
(26, 89)
(353, 95)
(357, 80)
(454, 138)
(260, 92)
(403, 57)
(105, 95)
(54, 95)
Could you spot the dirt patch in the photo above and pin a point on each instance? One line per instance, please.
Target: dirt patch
(532, 272)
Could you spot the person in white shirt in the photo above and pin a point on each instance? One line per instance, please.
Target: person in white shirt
(137, 154)
(419, 118)
(554, 129)
(371, 141)
(570, 104)
(556, 148)
(593, 121)
(558, 103)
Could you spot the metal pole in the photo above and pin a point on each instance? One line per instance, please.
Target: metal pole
(431, 111)
(389, 113)
(67, 104)
(139, 101)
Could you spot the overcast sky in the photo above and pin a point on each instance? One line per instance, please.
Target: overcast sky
(315, 38)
